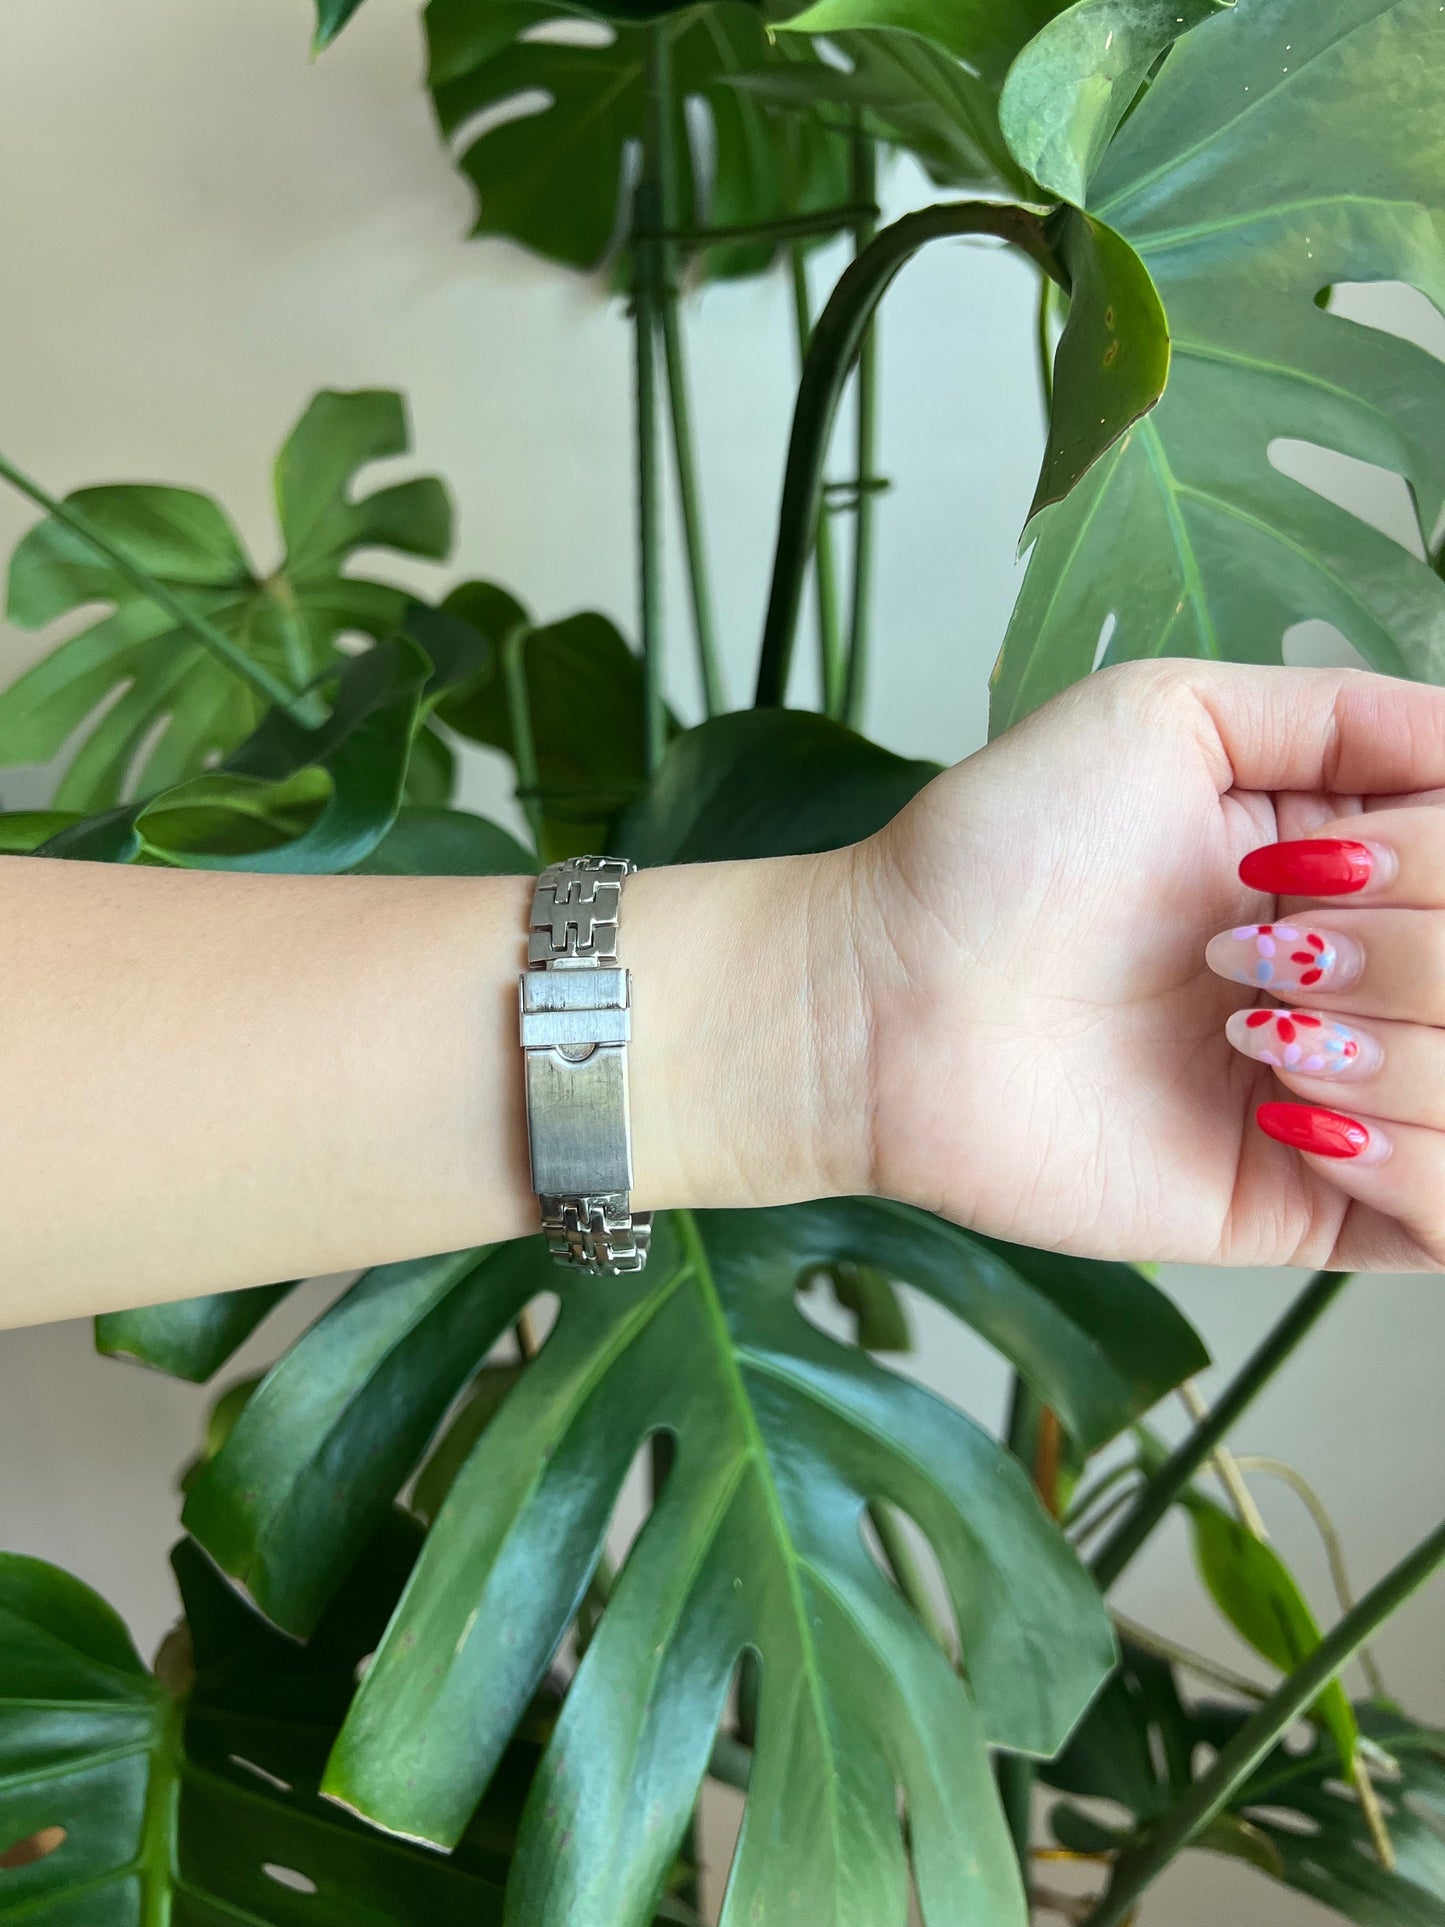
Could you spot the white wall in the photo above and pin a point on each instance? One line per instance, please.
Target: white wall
(199, 227)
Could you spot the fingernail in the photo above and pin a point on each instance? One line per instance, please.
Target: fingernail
(1304, 1042)
(1320, 866)
(1326, 1134)
(1285, 957)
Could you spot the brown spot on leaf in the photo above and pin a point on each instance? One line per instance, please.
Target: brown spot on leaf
(38, 1846)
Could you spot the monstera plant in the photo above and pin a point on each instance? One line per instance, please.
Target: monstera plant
(410, 1686)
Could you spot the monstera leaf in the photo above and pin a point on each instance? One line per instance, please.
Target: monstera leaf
(1230, 183)
(190, 1797)
(1294, 1818)
(1074, 82)
(781, 1435)
(178, 709)
(554, 178)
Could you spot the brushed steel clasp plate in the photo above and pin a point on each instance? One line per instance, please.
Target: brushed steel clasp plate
(575, 1025)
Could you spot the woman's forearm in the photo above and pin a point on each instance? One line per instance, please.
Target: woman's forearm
(212, 1080)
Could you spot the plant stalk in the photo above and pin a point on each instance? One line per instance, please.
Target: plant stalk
(1263, 1730)
(646, 316)
(200, 628)
(865, 189)
(1044, 344)
(524, 744)
(675, 360)
(1160, 1492)
(825, 570)
(837, 338)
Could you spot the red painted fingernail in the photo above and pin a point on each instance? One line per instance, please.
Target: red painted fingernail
(1309, 1127)
(1321, 866)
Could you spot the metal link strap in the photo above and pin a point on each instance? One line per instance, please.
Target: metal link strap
(576, 908)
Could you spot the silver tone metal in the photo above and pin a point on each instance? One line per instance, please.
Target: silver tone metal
(576, 1018)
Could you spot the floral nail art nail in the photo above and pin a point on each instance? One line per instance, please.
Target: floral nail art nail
(1283, 957)
(1303, 1041)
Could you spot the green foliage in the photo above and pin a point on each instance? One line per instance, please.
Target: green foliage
(176, 708)
(1261, 1598)
(192, 1795)
(192, 1338)
(1231, 184)
(780, 1434)
(1294, 1819)
(553, 178)
(1077, 78)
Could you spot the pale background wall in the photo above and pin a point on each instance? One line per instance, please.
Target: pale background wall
(199, 228)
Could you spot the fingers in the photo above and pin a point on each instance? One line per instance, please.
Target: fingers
(1388, 857)
(1323, 729)
(1373, 963)
(1391, 1070)
(1395, 1169)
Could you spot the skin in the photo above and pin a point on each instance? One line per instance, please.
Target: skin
(999, 1008)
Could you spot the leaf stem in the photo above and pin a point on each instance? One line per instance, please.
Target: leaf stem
(825, 569)
(1043, 343)
(792, 227)
(1262, 1731)
(646, 306)
(689, 502)
(1160, 1491)
(837, 338)
(524, 743)
(200, 628)
(865, 189)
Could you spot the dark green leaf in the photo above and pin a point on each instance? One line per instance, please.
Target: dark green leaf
(1076, 79)
(781, 1437)
(288, 620)
(1295, 1818)
(767, 782)
(553, 178)
(198, 1807)
(23, 831)
(1261, 1599)
(190, 1338)
(1113, 355)
(446, 843)
(1232, 184)
(453, 1448)
(584, 698)
(325, 1445)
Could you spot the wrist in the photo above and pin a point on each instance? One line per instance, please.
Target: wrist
(749, 1052)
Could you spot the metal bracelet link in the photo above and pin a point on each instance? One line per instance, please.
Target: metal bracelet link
(576, 1019)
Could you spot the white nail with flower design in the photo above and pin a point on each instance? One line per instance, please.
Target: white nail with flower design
(1285, 958)
(1307, 1042)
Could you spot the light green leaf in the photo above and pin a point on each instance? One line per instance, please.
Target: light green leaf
(1261, 1599)
(1232, 184)
(1074, 82)
(177, 708)
(554, 178)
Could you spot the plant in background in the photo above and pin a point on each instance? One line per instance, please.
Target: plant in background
(429, 1697)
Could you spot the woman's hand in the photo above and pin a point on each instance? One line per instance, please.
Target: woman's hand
(1052, 1059)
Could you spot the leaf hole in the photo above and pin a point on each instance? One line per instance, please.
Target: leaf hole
(918, 1566)
(1319, 645)
(260, 1773)
(1374, 495)
(299, 1883)
(569, 33)
(519, 106)
(1286, 1820)
(35, 1846)
(1106, 636)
